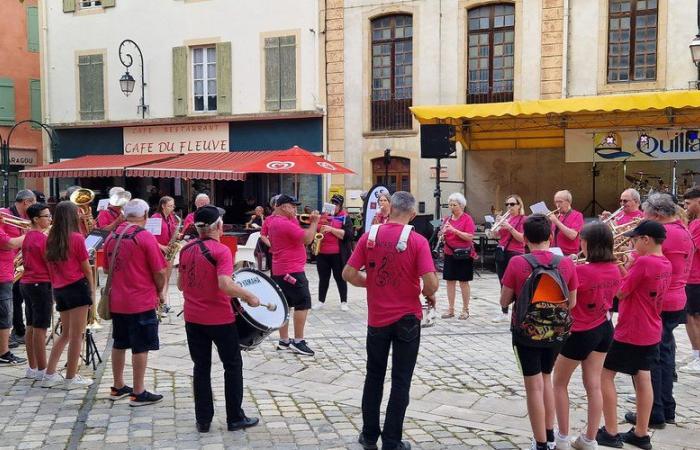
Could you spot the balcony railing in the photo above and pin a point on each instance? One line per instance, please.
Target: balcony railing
(391, 114)
(489, 97)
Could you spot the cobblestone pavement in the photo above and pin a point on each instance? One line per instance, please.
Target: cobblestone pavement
(466, 392)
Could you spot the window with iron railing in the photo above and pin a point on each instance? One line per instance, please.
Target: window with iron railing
(392, 72)
(490, 53)
(632, 35)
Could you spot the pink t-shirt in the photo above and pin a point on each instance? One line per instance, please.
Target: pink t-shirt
(629, 217)
(465, 224)
(678, 248)
(11, 231)
(167, 228)
(694, 228)
(107, 216)
(288, 250)
(519, 269)
(189, 220)
(139, 257)
(330, 245)
(380, 218)
(205, 304)
(265, 229)
(69, 271)
(574, 220)
(506, 238)
(598, 283)
(393, 277)
(639, 320)
(7, 257)
(34, 254)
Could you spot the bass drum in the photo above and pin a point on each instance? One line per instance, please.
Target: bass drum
(254, 324)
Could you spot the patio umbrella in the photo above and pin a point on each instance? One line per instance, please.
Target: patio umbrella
(293, 161)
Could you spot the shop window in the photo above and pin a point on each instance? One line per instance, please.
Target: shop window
(490, 53)
(392, 72)
(280, 73)
(396, 177)
(204, 78)
(632, 35)
(91, 79)
(73, 5)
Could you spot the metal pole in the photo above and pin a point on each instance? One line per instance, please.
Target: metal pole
(437, 192)
(5, 173)
(127, 61)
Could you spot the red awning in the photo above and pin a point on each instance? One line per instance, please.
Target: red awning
(201, 166)
(92, 166)
(293, 161)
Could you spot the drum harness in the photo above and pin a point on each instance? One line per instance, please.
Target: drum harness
(205, 252)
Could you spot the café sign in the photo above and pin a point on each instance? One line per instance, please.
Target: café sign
(175, 139)
(650, 145)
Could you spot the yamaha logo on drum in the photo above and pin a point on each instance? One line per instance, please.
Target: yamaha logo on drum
(249, 282)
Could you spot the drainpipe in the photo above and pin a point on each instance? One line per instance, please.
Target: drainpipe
(565, 53)
(44, 67)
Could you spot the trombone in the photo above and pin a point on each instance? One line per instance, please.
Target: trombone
(15, 221)
(554, 211)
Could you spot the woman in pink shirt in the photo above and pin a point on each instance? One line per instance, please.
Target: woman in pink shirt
(591, 332)
(458, 231)
(384, 201)
(72, 281)
(168, 227)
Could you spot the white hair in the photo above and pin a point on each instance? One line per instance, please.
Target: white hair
(566, 194)
(136, 208)
(660, 205)
(457, 197)
(634, 194)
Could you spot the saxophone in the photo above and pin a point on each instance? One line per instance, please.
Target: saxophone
(316, 244)
(175, 245)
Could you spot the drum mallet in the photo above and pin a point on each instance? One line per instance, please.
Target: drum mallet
(269, 306)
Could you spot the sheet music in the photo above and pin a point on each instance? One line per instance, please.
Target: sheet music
(556, 251)
(103, 204)
(539, 208)
(489, 219)
(92, 242)
(154, 225)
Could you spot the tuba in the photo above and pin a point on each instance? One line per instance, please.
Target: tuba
(83, 198)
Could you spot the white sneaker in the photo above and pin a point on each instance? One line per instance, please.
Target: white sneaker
(30, 373)
(52, 380)
(318, 305)
(584, 444)
(39, 374)
(692, 367)
(76, 382)
(561, 443)
(500, 317)
(344, 307)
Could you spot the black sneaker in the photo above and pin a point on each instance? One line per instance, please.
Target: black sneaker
(116, 394)
(631, 418)
(281, 345)
(19, 340)
(203, 427)
(608, 440)
(632, 439)
(246, 422)
(12, 344)
(144, 398)
(366, 443)
(301, 348)
(9, 359)
(671, 421)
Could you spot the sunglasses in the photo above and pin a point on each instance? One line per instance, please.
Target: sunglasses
(624, 201)
(511, 204)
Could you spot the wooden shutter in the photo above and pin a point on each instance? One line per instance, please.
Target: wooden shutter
(32, 29)
(223, 78)
(35, 100)
(68, 6)
(91, 75)
(108, 3)
(179, 81)
(7, 102)
(272, 74)
(288, 72)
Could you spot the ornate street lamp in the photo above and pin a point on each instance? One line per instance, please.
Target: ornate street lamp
(127, 82)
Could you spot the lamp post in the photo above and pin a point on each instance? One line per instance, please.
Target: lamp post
(127, 82)
(5, 147)
(387, 162)
(695, 49)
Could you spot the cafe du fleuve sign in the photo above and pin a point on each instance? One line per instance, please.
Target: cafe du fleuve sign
(643, 145)
(173, 139)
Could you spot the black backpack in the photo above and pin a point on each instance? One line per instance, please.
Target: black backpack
(541, 316)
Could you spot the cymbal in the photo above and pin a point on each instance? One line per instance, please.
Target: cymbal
(690, 173)
(251, 212)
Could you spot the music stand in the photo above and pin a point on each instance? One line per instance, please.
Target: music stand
(91, 351)
(593, 203)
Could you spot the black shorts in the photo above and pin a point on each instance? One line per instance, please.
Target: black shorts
(298, 295)
(139, 331)
(73, 296)
(5, 306)
(38, 299)
(630, 358)
(581, 343)
(535, 360)
(458, 269)
(692, 306)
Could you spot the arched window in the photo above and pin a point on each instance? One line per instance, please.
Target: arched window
(392, 72)
(490, 54)
(632, 40)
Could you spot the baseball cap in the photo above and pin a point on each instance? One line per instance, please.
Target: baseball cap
(337, 199)
(283, 198)
(206, 215)
(649, 228)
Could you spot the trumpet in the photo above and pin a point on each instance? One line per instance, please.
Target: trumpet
(613, 216)
(15, 221)
(504, 219)
(554, 211)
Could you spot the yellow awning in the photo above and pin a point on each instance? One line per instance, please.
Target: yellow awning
(541, 123)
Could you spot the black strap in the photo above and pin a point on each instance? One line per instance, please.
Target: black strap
(203, 248)
(510, 235)
(534, 262)
(556, 228)
(131, 236)
(14, 211)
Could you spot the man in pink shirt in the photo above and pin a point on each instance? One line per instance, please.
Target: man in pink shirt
(691, 198)
(395, 262)
(109, 219)
(187, 226)
(288, 246)
(566, 224)
(630, 202)
(8, 248)
(138, 278)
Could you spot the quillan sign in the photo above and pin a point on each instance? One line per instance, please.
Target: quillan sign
(183, 138)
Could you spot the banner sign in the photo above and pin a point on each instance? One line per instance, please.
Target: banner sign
(174, 139)
(372, 205)
(651, 145)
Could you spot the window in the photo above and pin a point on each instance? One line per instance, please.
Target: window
(490, 54)
(35, 100)
(85, 4)
(32, 29)
(280, 73)
(7, 102)
(204, 78)
(632, 28)
(398, 174)
(392, 72)
(91, 74)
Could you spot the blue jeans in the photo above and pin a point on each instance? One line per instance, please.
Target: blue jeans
(662, 374)
(403, 336)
